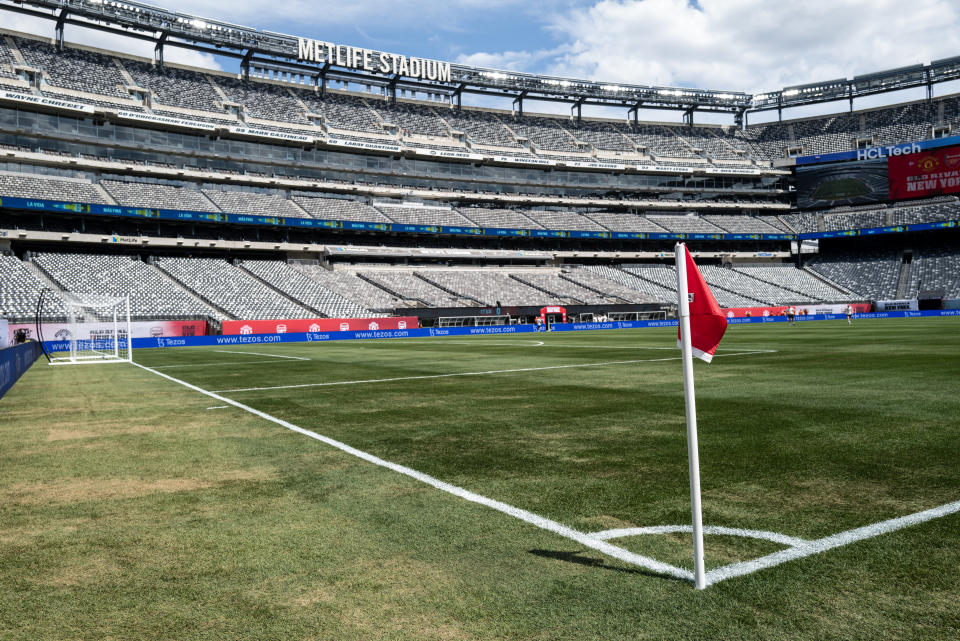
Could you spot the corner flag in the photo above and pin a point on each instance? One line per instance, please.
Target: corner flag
(707, 322)
(701, 326)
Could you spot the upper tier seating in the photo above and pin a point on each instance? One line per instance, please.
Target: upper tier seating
(501, 218)
(175, 87)
(51, 188)
(75, 69)
(253, 203)
(424, 216)
(264, 101)
(137, 194)
(339, 209)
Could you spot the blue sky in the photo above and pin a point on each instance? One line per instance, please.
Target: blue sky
(743, 45)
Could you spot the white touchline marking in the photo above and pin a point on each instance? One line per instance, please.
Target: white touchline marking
(218, 407)
(528, 517)
(217, 363)
(484, 373)
(775, 537)
(810, 548)
(234, 351)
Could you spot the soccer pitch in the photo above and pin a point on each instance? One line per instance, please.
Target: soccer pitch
(490, 487)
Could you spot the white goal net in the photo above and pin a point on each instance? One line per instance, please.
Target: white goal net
(97, 330)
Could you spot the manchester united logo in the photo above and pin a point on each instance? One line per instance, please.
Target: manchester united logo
(928, 163)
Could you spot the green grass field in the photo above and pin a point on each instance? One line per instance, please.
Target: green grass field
(840, 188)
(134, 507)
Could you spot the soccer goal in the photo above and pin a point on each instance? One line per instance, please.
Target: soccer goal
(97, 330)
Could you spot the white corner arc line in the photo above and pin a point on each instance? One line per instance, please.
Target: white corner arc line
(817, 546)
(774, 537)
(483, 373)
(529, 517)
(236, 351)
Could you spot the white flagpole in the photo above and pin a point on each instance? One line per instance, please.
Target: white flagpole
(693, 457)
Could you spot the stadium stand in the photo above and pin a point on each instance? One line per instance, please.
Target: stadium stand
(142, 194)
(872, 275)
(81, 160)
(412, 289)
(231, 289)
(339, 209)
(351, 287)
(501, 218)
(152, 296)
(19, 291)
(77, 190)
(487, 286)
(299, 287)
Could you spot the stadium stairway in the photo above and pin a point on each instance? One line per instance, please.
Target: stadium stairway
(47, 279)
(826, 280)
(569, 300)
(610, 297)
(463, 299)
(280, 293)
(194, 294)
(406, 300)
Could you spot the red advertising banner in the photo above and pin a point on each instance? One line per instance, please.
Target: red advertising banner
(928, 173)
(298, 325)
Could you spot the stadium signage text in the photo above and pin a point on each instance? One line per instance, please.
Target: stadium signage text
(373, 61)
(873, 153)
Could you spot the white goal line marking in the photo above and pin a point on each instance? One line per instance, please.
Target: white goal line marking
(236, 351)
(529, 517)
(483, 373)
(799, 547)
(218, 363)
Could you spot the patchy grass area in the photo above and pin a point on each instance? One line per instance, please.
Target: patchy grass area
(134, 507)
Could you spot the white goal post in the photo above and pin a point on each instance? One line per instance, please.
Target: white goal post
(97, 330)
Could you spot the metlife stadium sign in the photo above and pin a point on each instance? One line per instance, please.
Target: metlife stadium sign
(373, 61)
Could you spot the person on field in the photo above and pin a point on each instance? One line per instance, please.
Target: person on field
(849, 312)
(791, 312)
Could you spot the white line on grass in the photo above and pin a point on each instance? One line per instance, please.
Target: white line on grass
(218, 363)
(776, 537)
(529, 517)
(810, 548)
(235, 351)
(483, 373)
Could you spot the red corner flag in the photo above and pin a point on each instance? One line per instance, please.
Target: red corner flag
(707, 322)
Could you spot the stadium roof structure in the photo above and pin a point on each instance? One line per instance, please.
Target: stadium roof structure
(260, 49)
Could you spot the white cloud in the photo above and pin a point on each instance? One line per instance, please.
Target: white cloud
(751, 45)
